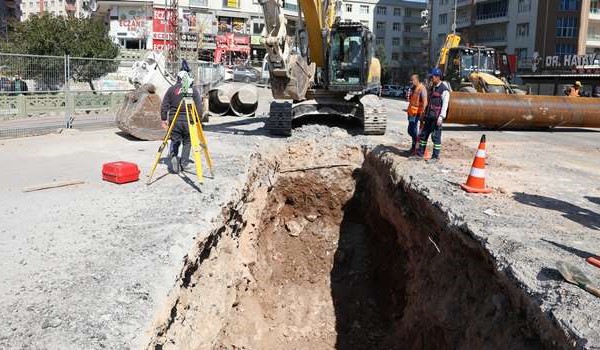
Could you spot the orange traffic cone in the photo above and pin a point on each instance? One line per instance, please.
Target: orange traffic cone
(476, 180)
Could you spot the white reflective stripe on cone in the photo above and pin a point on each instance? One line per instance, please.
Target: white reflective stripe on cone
(480, 153)
(478, 172)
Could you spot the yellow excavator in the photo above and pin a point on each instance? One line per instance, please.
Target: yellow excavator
(471, 69)
(328, 70)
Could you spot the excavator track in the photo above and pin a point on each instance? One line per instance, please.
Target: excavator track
(374, 115)
(280, 119)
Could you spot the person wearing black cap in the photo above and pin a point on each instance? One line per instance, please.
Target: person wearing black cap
(439, 97)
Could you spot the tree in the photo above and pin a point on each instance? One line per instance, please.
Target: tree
(385, 65)
(84, 38)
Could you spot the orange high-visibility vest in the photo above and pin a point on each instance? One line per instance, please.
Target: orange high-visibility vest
(415, 103)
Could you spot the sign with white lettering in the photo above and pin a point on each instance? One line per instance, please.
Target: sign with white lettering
(570, 61)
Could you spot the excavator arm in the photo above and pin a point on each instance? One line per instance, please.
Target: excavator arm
(290, 71)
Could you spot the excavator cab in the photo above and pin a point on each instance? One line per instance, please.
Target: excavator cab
(462, 61)
(349, 57)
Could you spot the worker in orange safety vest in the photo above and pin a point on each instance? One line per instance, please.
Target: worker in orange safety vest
(417, 102)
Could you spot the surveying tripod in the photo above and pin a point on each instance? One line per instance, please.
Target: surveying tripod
(197, 138)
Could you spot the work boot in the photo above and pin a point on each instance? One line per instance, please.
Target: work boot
(434, 160)
(186, 166)
(175, 165)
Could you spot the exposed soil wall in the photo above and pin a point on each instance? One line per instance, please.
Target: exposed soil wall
(320, 252)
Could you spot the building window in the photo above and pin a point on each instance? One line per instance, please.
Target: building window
(348, 7)
(364, 9)
(258, 27)
(521, 54)
(494, 9)
(407, 28)
(396, 27)
(522, 30)
(524, 6)
(443, 2)
(395, 56)
(397, 11)
(381, 10)
(594, 8)
(379, 42)
(395, 41)
(408, 12)
(406, 42)
(443, 18)
(566, 27)
(380, 26)
(568, 5)
(565, 49)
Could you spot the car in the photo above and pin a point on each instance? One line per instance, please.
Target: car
(264, 74)
(392, 90)
(245, 74)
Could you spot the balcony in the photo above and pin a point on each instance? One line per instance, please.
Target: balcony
(499, 40)
(411, 19)
(413, 49)
(594, 14)
(462, 22)
(593, 40)
(414, 34)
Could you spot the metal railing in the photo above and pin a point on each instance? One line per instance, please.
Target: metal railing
(39, 94)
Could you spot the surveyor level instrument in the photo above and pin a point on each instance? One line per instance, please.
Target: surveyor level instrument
(197, 138)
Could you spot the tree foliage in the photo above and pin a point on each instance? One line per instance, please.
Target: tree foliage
(59, 36)
(385, 64)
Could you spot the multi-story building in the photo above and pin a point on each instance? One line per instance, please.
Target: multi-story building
(146, 24)
(525, 28)
(396, 25)
(9, 10)
(77, 8)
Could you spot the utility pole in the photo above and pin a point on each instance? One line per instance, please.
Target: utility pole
(454, 22)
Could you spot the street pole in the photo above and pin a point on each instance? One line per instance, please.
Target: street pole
(454, 23)
(430, 33)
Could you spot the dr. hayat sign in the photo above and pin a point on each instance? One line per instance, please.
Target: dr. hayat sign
(571, 61)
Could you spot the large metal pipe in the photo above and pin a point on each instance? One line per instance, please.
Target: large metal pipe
(219, 99)
(245, 101)
(523, 111)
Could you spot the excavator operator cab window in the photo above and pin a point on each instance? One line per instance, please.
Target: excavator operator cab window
(347, 58)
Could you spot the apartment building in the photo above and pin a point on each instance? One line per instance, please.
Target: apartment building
(525, 28)
(396, 25)
(78, 8)
(9, 10)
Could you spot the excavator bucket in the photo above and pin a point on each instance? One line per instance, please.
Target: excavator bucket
(139, 116)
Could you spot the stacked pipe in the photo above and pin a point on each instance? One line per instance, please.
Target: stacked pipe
(240, 99)
(523, 111)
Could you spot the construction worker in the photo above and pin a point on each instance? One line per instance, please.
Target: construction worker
(180, 133)
(417, 102)
(439, 97)
(574, 90)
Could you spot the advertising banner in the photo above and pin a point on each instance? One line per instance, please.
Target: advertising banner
(132, 22)
(162, 26)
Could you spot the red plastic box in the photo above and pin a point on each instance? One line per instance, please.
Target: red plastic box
(120, 172)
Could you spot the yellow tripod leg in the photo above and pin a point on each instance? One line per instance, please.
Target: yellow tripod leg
(163, 145)
(193, 129)
(203, 142)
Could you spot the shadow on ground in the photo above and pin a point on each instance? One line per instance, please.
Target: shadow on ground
(570, 211)
(580, 253)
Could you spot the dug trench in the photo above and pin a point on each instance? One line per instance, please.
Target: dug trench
(322, 252)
